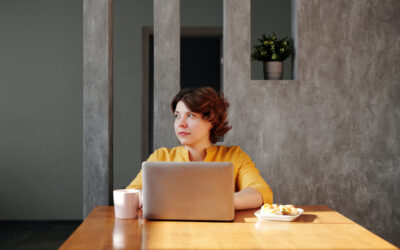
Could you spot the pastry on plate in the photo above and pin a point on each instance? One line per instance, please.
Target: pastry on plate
(275, 209)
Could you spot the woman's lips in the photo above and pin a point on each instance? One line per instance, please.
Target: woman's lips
(183, 133)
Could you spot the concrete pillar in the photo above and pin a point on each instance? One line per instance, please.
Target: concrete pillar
(97, 104)
(236, 41)
(166, 69)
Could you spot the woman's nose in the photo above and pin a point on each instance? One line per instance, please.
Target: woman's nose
(182, 123)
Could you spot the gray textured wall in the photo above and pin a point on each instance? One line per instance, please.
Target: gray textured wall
(332, 136)
(40, 109)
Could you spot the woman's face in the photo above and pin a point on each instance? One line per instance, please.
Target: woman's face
(190, 128)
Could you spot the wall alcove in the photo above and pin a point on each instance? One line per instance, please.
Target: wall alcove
(274, 16)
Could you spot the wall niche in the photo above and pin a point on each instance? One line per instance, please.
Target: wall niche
(279, 17)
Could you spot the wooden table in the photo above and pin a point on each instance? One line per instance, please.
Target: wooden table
(319, 227)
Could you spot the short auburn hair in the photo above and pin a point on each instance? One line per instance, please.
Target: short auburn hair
(212, 107)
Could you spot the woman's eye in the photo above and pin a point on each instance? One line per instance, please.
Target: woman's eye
(190, 115)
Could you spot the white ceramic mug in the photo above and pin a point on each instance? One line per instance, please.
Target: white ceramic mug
(126, 203)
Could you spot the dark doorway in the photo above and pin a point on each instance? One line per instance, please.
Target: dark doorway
(201, 62)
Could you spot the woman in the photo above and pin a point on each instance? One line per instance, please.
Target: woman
(200, 121)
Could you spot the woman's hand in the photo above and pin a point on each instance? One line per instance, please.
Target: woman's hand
(247, 198)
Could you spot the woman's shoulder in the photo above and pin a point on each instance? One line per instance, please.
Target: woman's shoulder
(235, 154)
(232, 153)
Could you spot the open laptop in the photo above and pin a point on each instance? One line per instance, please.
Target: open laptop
(188, 191)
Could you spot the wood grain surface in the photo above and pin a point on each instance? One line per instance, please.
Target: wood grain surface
(319, 227)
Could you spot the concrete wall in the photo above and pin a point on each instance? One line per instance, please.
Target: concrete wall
(41, 110)
(331, 137)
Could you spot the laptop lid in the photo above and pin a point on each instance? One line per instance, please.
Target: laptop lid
(188, 191)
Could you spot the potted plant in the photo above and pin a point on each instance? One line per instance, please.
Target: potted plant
(272, 52)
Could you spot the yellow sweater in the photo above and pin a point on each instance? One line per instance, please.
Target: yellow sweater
(246, 174)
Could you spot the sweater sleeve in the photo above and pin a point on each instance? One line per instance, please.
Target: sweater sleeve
(137, 182)
(249, 176)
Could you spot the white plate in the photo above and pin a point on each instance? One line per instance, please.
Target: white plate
(278, 217)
